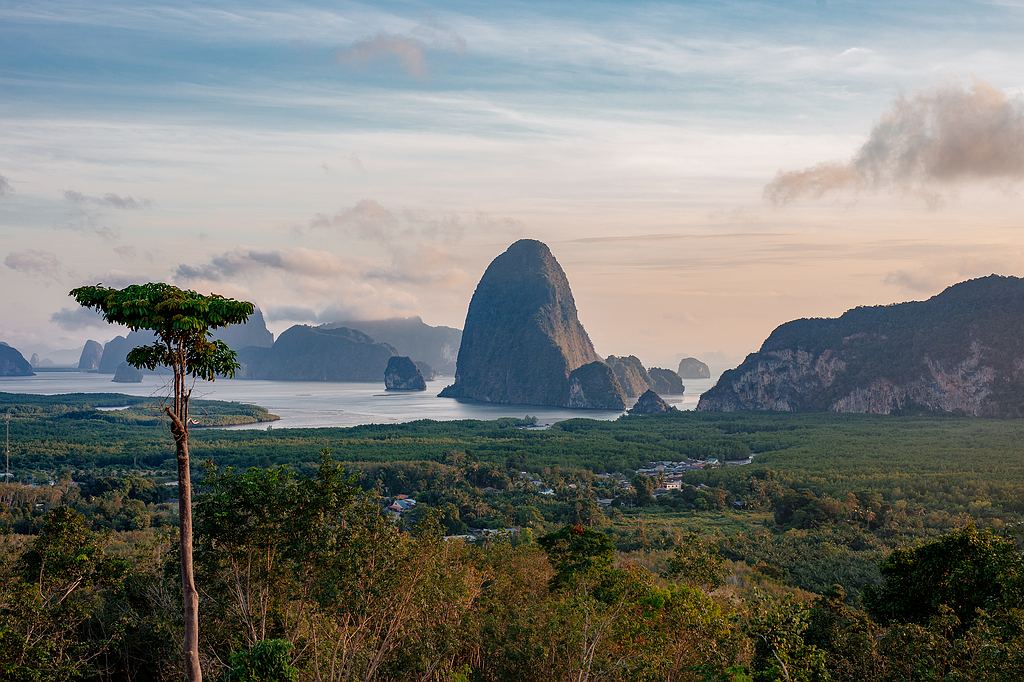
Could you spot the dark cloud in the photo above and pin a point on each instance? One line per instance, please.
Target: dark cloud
(73, 319)
(5, 186)
(926, 140)
(108, 200)
(42, 264)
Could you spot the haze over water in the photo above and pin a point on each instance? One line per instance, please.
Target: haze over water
(310, 404)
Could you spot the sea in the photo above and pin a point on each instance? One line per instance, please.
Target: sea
(315, 404)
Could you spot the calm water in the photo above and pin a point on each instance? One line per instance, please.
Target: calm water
(303, 404)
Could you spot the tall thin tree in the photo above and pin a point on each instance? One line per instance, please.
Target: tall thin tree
(182, 321)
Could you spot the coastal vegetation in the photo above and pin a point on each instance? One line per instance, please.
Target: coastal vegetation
(779, 562)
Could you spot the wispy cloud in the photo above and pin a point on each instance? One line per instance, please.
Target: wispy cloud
(923, 142)
(108, 200)
(5, 186)
(410, 51)
(42, 264)
(74, 319)
(305, 262)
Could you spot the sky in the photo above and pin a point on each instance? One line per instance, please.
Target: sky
(703, 171)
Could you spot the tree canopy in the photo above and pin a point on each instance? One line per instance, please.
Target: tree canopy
(181, 319)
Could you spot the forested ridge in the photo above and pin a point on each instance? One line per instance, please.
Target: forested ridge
(849, 547)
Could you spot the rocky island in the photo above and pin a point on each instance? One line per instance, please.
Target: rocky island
(692, 368)
(126, 374)
(651, 403)
(665, 381)
(402, 374)
(13, 363)
(959, 352)
(523, 340)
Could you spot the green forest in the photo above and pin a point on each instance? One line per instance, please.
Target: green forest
(793, 547)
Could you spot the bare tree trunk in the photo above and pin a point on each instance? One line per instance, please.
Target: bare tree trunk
(190, 596)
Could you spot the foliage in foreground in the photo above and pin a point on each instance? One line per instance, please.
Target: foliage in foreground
(305, 579)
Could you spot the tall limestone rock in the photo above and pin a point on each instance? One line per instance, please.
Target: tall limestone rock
(959, 352)
(523, 338)
(92, 353)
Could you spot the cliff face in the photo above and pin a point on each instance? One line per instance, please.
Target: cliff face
(594, 387)
(630, 372)
(522, 337)
(13, 363)
(92, 353)
(959, 352)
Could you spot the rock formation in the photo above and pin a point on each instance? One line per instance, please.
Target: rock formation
(692, 368)
(402, 374)
(13, 363)
(437, 346)
(126, 374)
(959, 352)
(651, 403)
(92, 353)
(304, 353)
(594, 387)
(523, 339)
(665, 381)
(630, 372)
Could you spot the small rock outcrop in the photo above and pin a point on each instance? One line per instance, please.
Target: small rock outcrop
(523, 339)
(402, 374)
(126, 374)
(630, 372)
(651, 403)
(960, 352)
(92, 353)
(594, 387)
(13, 363)
(692, 368)
(665, 381)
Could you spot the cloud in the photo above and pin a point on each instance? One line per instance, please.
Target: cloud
(42, 264)
(109, 200)
(73, 319)
(938, 137)
(291, 313)
(410, 51)
(237, 262)
(925, 283)
(5, 186)
(370, 221)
